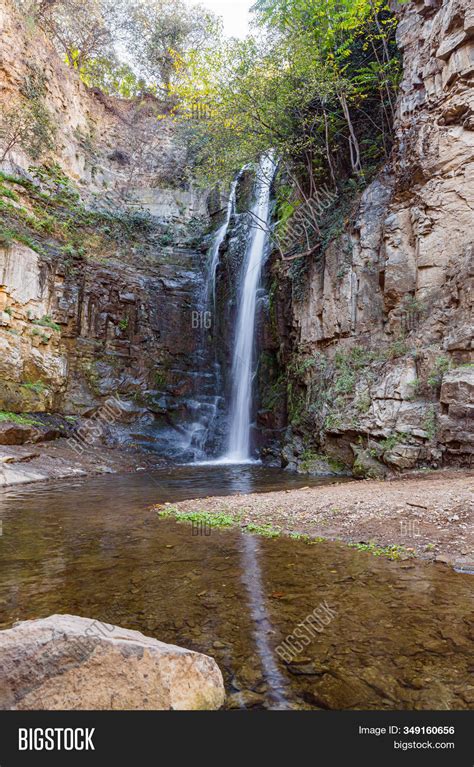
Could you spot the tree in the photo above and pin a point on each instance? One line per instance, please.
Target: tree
(112, 77)
(28, 125)
(81, 31)
(317, 84)
(162, 33)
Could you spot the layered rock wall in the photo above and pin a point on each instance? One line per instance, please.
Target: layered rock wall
(383, 326)
(99, 269)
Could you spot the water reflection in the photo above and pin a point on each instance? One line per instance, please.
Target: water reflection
(252, 578)
(402, 637)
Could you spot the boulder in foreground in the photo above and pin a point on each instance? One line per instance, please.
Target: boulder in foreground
(65, 662)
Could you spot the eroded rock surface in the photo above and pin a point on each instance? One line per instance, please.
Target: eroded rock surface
(66, 662)
(379, 332)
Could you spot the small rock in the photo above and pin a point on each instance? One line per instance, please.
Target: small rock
(18, 458)
(244, 699)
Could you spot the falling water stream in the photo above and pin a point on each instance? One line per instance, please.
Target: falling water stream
(219, 239)
(243, 358)
(238, 449)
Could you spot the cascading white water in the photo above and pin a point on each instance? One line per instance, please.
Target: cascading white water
(242, 365)
(219, 239)
(205, 409)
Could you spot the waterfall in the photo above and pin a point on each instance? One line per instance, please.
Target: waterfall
(243, 358)
(240, 412)
(219, 239)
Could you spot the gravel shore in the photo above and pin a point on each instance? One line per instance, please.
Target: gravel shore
(429, 516)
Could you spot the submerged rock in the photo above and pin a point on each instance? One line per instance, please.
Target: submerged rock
(66, 662)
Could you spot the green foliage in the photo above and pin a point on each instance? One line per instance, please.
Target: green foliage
(7, 192)
(161, 34)
(112, 77)
(390, 442)
(53, 220)
(273, 395)
(348, 366)
(393, 552)
(398, 349)
(332, 421)
(209, 519)
(38, 387)
(318, 70)
(296, 403)
(441, 366)
(299, 536)
(160, 380)
(345, 382)
(416, 387)
(267, 531)
(28, 125)
(11, 178)
(47, 322)
(44, 339)
(9, 236)
(363, 403)
(310, 456)
(430, 424)
(167, 511)
(22, 420)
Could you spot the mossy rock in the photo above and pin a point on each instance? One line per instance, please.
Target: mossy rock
(366, 466)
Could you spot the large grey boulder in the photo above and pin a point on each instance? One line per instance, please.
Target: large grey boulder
(65, 662)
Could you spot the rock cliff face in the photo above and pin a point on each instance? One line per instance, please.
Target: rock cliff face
(100, 272)
(107, 145)
(366, 360)
(379, 340)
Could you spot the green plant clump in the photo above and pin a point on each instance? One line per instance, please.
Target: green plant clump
(217, 519)
(435, 377)
(266, 530)
(393, 552)
(38, 387)
(22, 420)
(47, 322)
(210, 519)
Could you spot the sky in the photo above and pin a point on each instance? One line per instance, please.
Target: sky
(235, 14)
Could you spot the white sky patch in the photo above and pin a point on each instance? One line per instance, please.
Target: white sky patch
(235, 14)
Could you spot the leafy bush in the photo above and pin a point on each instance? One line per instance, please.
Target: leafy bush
(47, 322)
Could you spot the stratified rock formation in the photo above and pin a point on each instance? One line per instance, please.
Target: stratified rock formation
(64, 662)
(101, 257)
(380, 329)
(103, 249)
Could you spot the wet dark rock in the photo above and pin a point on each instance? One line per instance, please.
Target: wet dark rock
(336, 693)
(244, 699)
(248, 675)
(306, 667)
